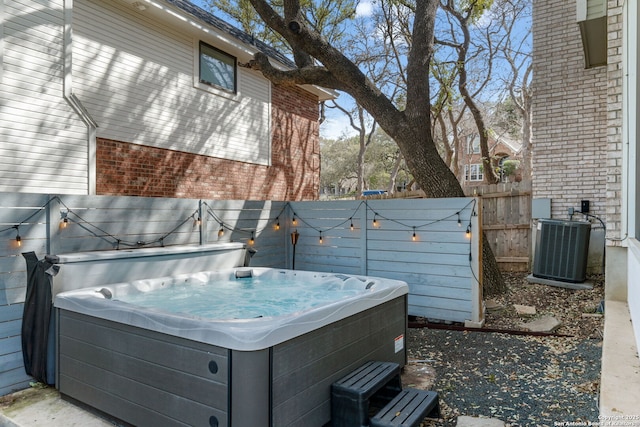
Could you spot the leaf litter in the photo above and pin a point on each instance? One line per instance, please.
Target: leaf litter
(522, 380)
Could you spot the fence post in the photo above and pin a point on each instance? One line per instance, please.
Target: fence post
(477, 312)
(288, 246)
(202, 213)
(364, 225)
(52, 219)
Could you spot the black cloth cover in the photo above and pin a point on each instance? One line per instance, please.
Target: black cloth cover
(37, 350)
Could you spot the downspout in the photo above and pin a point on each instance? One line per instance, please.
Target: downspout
(73, 100)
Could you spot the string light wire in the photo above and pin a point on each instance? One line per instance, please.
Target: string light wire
(275, 223)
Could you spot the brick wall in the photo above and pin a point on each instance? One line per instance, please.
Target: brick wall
(127, 169)
(569, 114)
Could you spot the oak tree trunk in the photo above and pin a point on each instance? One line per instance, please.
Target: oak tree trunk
(410, 128)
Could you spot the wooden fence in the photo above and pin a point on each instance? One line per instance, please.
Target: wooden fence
(506, 220)
(440, 263)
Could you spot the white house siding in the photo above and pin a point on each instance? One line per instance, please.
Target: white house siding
(633, 284)
(623, 201)
(43, 144)
(135, 76)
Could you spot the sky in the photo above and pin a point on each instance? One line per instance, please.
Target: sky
(336, 124)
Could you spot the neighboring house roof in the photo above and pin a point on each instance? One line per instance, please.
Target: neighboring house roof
(218, 23)
(513, 144)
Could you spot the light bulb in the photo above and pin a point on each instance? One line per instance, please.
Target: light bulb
(18, 238)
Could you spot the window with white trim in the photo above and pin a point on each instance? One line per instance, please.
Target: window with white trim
(473, 144)
(473, 172)
(217, 68)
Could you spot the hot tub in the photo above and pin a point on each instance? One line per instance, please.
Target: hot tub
(149, 364)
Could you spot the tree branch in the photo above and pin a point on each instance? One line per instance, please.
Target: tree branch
(338, 71)
(300, 76)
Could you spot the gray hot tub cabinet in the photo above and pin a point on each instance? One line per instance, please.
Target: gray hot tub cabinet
(147, 378)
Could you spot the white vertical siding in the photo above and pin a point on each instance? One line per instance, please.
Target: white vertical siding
(135, 76)
(633, 277)
(43, 144)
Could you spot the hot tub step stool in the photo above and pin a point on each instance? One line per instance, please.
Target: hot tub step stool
(408, 409)
(351, 395)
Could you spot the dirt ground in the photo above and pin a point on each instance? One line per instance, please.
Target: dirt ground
(521, 379)
(578, 310)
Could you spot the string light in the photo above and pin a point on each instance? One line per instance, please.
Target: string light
(198, 221)
(18, 238)
(65, 221)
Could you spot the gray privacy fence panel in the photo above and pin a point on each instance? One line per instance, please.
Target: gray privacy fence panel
(240, 220)
(14, 210)
(443, 278)
(109, 222)
(342, 250)
(437, 267)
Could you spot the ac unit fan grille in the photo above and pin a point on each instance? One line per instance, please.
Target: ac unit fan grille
(561, 250)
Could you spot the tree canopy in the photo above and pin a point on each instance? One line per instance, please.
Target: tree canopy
(405, 114)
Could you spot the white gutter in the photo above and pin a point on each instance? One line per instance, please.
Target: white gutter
(73, 100)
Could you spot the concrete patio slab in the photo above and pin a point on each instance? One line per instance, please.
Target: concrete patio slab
(44, 407)
(464, 421)
(620, 382)
(543, 324)
(559, 284)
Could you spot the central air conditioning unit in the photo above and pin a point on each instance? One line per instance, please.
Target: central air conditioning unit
(561, 250)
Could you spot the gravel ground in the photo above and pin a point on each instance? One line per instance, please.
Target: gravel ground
(521, 380)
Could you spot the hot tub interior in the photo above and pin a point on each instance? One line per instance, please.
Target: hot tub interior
(239, 294)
